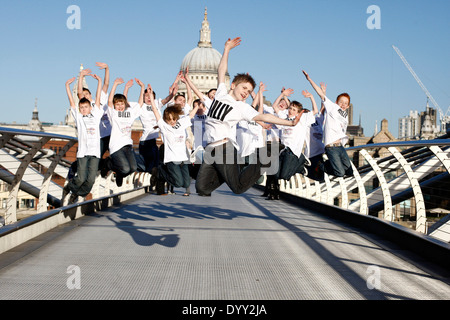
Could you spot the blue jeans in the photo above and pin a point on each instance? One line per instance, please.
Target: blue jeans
(176, 174)
(150, 152)
(123, 161)
(338, 163)
(83, 181)
(290, 164)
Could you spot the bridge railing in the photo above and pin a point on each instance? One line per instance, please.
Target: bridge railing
(29, 163)
(405, 182)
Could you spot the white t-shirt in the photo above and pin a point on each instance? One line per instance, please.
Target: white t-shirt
(149, 122)
(335, 123)
(174, 139)
(223, 116)
(249, 137)
(274, 133)
(314, 137)
(105, 124)
(294, 137)
(88, 130)
(121, 126)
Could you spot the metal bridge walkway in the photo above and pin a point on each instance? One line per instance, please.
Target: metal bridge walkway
(223, 247)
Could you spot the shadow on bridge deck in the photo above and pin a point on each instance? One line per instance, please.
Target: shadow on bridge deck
(223, 247)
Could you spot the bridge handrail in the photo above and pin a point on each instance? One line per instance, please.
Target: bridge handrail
(26, 164)
(412, 162)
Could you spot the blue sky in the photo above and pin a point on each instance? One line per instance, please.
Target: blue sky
(149, 39)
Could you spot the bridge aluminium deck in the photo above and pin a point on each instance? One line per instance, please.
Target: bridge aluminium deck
(223, 247)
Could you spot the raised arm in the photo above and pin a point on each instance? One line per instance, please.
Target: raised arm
(128, 85)
(117, 82)
(307, 94)
(223, 65)
(99, 90)
(83, 73)
(141, 94)
(152, 102)
(69, 93)
(183, 78)
(284, 93)
(105, 66)
(315, 86)
(193, 111)
(194, 88)
(172, 89)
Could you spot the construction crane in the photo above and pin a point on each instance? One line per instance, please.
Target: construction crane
(442, 117)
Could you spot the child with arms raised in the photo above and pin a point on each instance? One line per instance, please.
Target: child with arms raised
(87, 117)
(122, 159)
(175, 167)
(334, 129)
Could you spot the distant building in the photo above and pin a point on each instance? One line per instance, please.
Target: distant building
(417, 125)
(203, 62)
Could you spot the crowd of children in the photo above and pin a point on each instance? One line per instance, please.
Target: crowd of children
(215, 139)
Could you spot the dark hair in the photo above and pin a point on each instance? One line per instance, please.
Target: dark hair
(297, 104)
(118, 97)
(210, 90)
(198, 101)
(84, 100)
(175, 110)
(244, 77)
(86, 89)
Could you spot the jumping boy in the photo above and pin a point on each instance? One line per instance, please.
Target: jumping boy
(173, 126)
(228, 108)
(122, 159)
(335, 127)
(88, 120)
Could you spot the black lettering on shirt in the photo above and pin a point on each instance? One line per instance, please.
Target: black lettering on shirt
(124, 114)
(342, 113)
(219, 110)
(177, 125)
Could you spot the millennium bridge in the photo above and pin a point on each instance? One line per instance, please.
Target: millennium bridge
(382, 234)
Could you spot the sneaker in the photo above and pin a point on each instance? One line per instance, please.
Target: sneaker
(104, 167)
(119, 180)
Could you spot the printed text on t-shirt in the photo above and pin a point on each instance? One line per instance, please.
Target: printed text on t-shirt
(219, 110)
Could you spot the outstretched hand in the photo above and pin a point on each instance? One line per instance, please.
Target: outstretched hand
(96, 77)
(101, 65)
(232, 43)
(118, 81)
(129, 83)
(288, 92)
(306, 94)
(85, 72)
(68, 82)
(139, 82)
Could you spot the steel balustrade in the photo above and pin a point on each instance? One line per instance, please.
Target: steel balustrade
(26, 165)
(411, 166)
